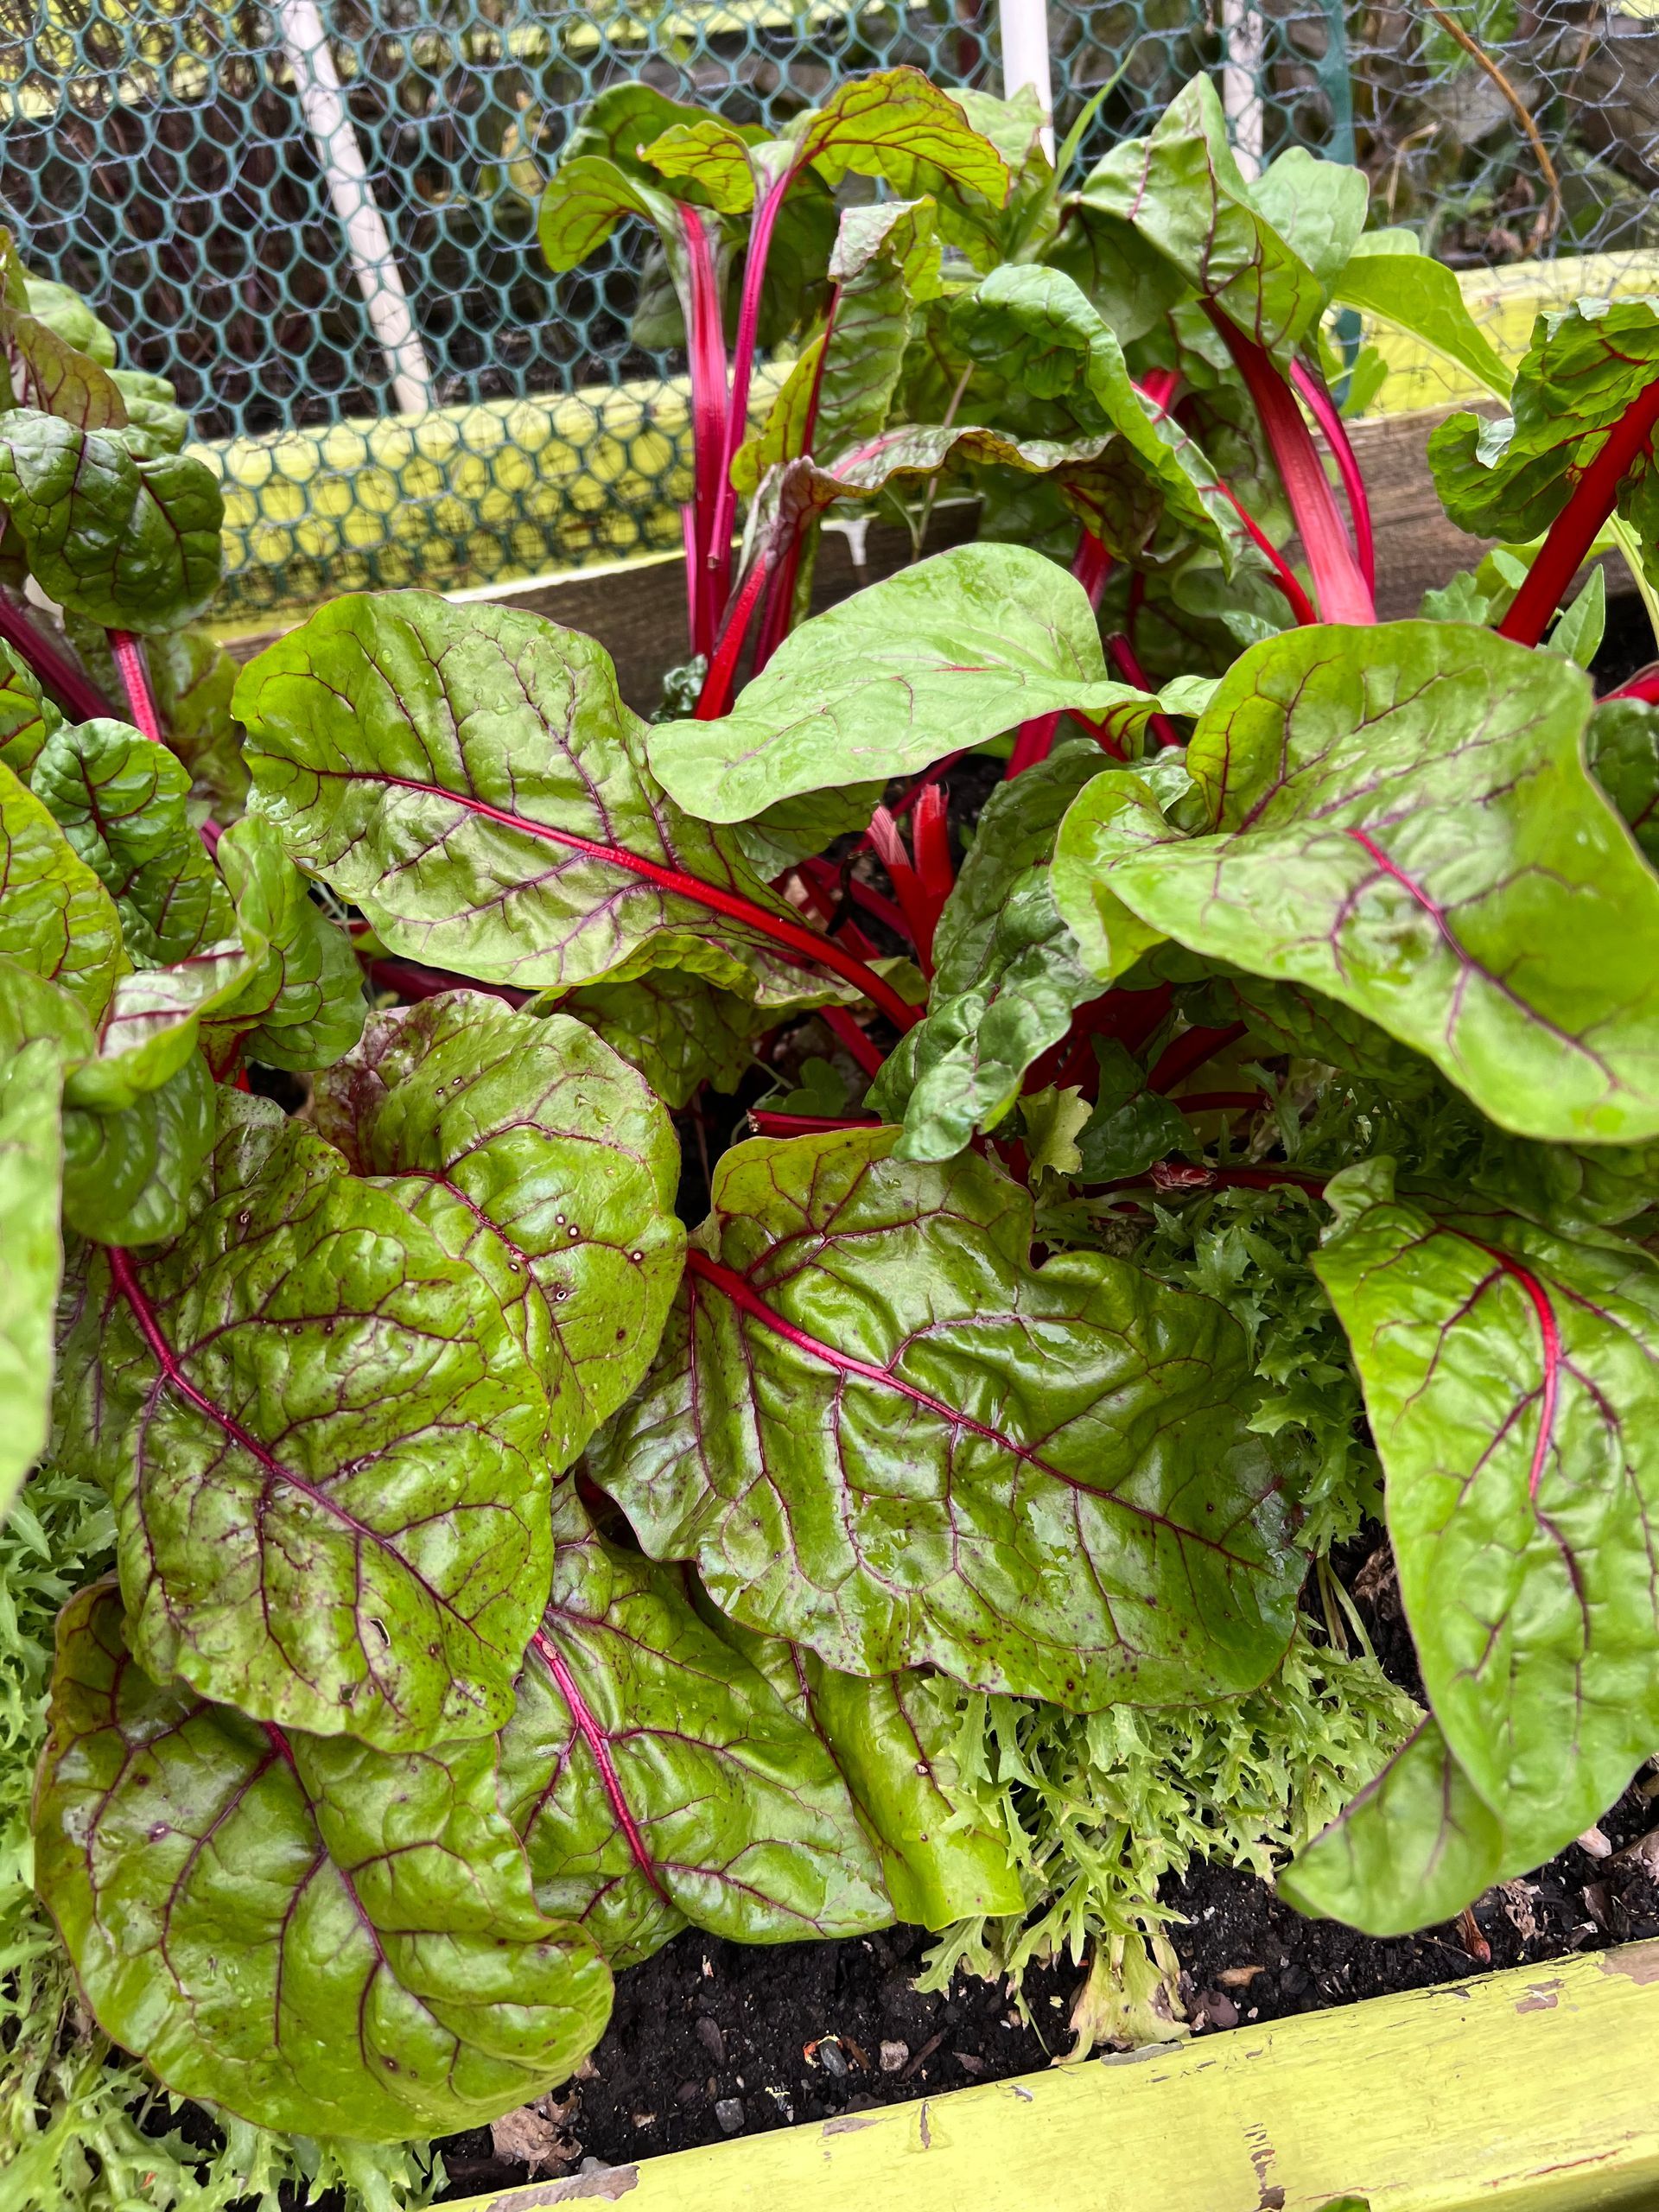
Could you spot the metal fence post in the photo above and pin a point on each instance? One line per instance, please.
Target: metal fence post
(305, 40)
(1023, 27)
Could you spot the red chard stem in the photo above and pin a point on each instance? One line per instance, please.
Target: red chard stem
(75, 693)
(134, 671)
(1573, 531)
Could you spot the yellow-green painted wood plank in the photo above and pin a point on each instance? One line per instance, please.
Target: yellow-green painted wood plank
(1531, 2091)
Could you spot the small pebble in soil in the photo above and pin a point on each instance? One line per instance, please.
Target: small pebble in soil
(895, 2057)
(710, 2036)
(730, 2112)
(832, 2059)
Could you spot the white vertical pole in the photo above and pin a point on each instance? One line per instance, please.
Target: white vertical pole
(1024, 28)
(1241, 83)
(341, 158)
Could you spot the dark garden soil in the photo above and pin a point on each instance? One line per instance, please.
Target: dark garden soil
(711, 2039)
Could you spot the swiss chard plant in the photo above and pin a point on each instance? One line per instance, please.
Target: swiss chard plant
(1244, 1119)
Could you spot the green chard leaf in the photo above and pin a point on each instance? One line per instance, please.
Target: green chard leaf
(1388, 274)
(129, 1172)
(1621, 746)
(1586, 366)
(306, 1933)
(132, 543)
(1008, 975)
(57, 920)
(327, 1452)
(44, 370)
(1185, 194)
(1131, 1125)
(878, 1431)
(470, 778)
(677, 1028)
(302, 1006)
(31, 1253)
(121, 801)
(27, 717)
(530, 1150)
(1318, 207)
(657, 1780)
(948, 652)
(1402, 821)
(1510, 1382)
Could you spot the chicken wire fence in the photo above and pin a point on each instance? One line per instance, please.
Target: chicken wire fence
(179, 162)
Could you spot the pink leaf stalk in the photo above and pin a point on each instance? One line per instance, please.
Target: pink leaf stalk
(1091, 565)
(80, 697)
(1339, 587)
(707, 354)
(1644, 687)
(737, 411)
(1573, 531)
(1334, 431)
(134, 671)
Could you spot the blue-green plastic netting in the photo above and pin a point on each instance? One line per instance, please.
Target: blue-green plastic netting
(156, 157)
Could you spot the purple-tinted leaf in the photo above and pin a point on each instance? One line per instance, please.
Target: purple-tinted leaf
(56, 918)
(27, 717)
(678, 1030)
(326, 1450)
(1511, 1382)
(311, 1935)
(470, 778)
(1403, 822)
(43, 369)
(121, 800)
(656, 1779)
(879, 1431)
(1184, 192)
(132, 543)
(532, 1152)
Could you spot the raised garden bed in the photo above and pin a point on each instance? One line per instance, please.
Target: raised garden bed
(826, 1351)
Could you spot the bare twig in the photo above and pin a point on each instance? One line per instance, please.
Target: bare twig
(1551, 215)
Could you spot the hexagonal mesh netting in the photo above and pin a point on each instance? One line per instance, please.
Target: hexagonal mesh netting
(161, 158)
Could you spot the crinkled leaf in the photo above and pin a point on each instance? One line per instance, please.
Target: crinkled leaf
(31, 1253)
(1586, 366)
(1183, 190)
(1581, 625)
(897, 126)
(156, 422)
(1388, 274)
(302, 1006)
(1509, 1383)
(1131, 1126)
(129, 1173)
(1568, 1186)
(1040, 332)
(326, 1450)
(880, 1432)
(155, 1022)
(193, 678)
(1622, 746)
(1403, 821)
(56, 918)
(27, 717)
(470, 778)
(946, 653)
(530, 1150)
(677, 1028)
(121, 801)
(131, 542)
(1126, 278)
(1008, 975)
(656, 1779)
(309, 1934)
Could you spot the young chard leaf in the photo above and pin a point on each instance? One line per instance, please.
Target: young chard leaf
(471, 779)
(945, 654)
(1402, 820)
(121, 802)
(1008, 975)
(27, 717)
(308, 1933)
(677, 1028)
(1621, 746)
(57, 920)
(532, 1152)
(1509, 1376)
(326, 1450)
(133, 543)
(656, 1779)
(880, 1432)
